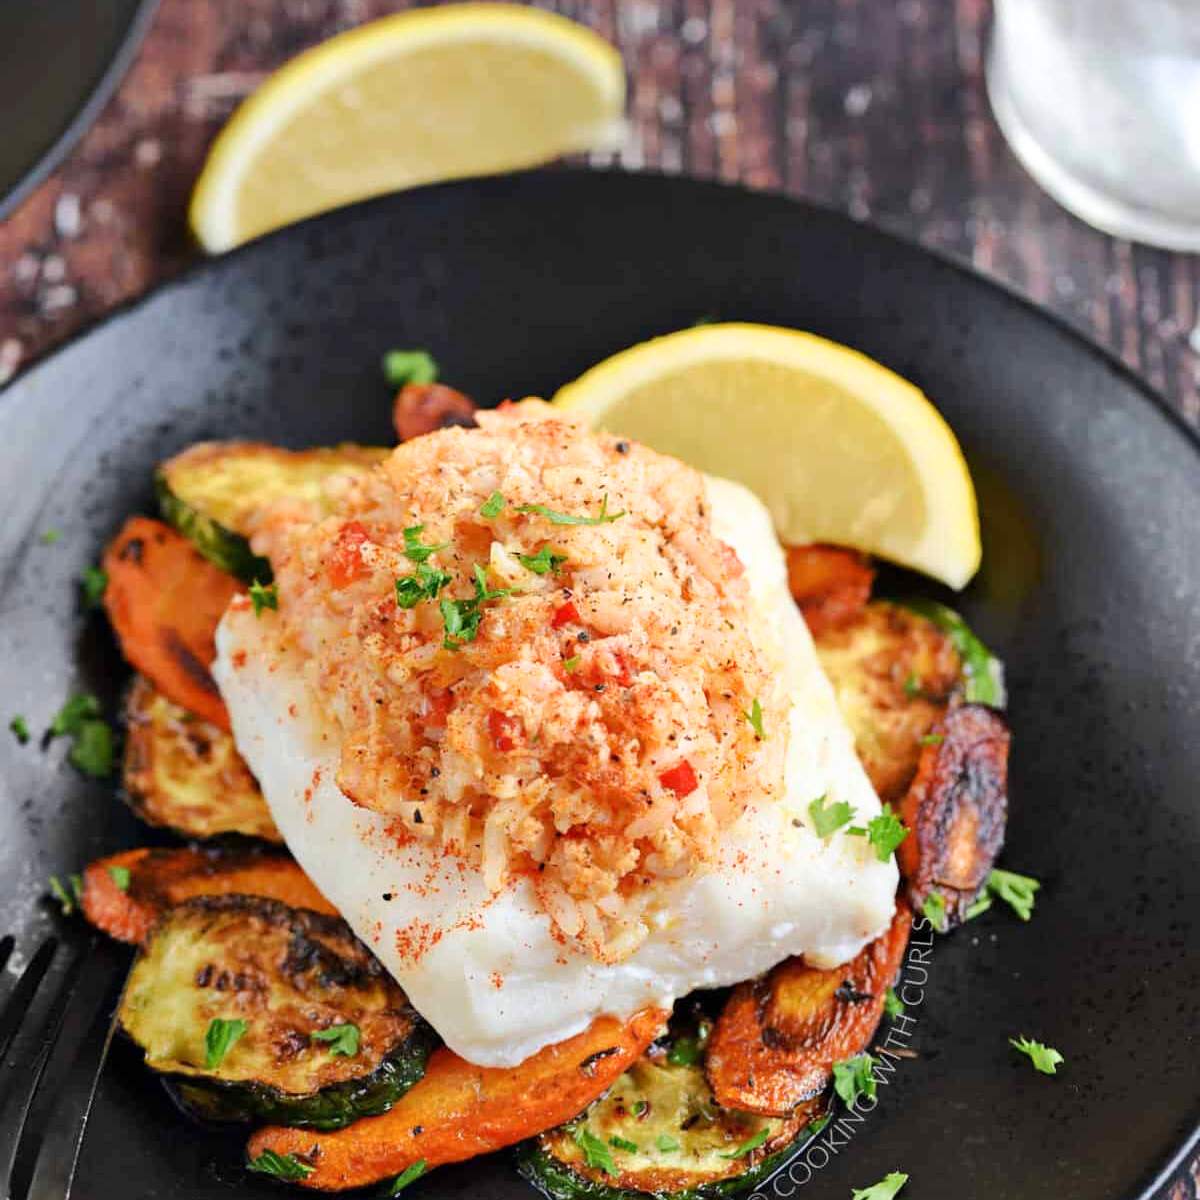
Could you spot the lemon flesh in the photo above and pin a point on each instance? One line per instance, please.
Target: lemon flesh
(413, 98)
(838, 447)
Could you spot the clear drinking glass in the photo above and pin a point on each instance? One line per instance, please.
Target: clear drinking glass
(1100, 100)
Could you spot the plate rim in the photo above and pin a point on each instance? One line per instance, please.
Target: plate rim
(1158, 1175)
(83, 117)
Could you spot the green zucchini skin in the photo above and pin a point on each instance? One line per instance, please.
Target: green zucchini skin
(222, 547)
(287, 974)
(983, 671)
(557, 1181)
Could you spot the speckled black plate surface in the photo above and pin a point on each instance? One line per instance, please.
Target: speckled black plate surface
(1090, 589)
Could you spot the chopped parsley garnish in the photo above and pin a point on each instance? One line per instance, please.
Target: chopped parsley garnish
(413, 547)
(461, 618)
(20, 729)
(343, 1039)
(754, 716)
(70, 896)
(120, 876)
(853, 1078)
(828, 819)
(685, 1051)
(70, 718)
(543, 562)
(264, 596)
(885, 832)
(409, 366)
(492, 506)
(933, 739)
(281, 1166)
(423, 584)
(92, 751)
(569, 664)
(892, 1004)
(604, 517)
(641, 1107)
(407, 1176)
(595, 1153)
(50, 537)
(621, 1143)
(666, 1143)
(912, 686)
(751, 1144)
(934, 909)
(1044, 1058)
(92, 748)
(93, 583)
(1017, 891)
(219, 1039)
(885, 1189)
(815, 1127)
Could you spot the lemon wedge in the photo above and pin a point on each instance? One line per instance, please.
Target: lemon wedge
(838, 447)
(413, 98)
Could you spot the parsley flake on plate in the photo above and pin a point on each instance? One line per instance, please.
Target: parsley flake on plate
(70, 895)
(415, 549)
(892, 1004)
(934, 910)
(1044, 1058)
(92, 746)
(120, 876)
(829, 818)
(423, 584)
(409, 366)
(620, 1143)
(281, 1166)
(492, 506)
(263, 596)
(407, 1176)
(342, 1039)
(219, 1039)
(885, 1189)
(50, 537)
(543, 562)
(853, 1078)
(755, 717)
(461, 618)
(92, 584)
(885, 832)
(595, 1153)
(19, 728)
(751, 1144)
(604, 517)
(666, 1143)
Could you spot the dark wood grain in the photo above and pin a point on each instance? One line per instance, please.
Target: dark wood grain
(877, 108)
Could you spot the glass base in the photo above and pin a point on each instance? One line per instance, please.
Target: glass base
(1087, 202)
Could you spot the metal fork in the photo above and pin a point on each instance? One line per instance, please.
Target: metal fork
(56, 1019)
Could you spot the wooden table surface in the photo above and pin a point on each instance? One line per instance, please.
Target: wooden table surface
(876, 107)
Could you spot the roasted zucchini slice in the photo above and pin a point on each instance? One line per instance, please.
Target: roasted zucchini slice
(182, 772)
(294, 982)
(778, 1037)
(215, 493)
(659, 1131)
(896, 672)
(955, 811)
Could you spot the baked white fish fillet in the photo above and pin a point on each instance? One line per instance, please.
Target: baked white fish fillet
(484, 970)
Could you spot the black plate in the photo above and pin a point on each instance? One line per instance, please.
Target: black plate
(59, 62)
(1090, 589)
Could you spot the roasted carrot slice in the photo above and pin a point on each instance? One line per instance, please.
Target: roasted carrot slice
(778, 1037)
(126, 906)
(830, 583)
(458, 1111)
(955, 809)
(423, 407)
(164, 600)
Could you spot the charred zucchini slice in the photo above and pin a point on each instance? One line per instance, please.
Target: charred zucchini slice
(184, 773)
(295, 981)
(659, 1131)
(215, 493)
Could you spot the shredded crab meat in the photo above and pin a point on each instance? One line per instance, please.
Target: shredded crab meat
(560, 700)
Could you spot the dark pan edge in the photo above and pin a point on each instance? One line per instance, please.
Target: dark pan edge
(82, 120)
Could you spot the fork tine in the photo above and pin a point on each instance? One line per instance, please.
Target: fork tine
(28, 1027)
(74, 1071)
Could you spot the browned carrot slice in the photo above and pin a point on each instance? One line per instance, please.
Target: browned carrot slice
(830, 583)
(956, 809)
(164, 600)
(458, 1111)
(423, 407)
(160, 879)
(778, 1037)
